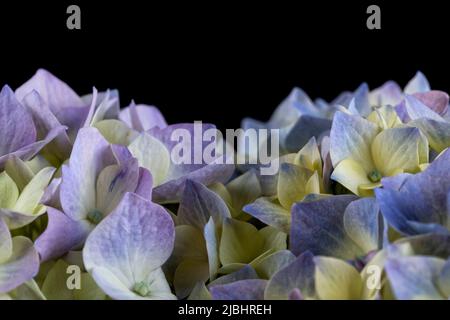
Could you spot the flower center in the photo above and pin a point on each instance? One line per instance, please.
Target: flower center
(141, 288)
(95, 216)
(374, 176)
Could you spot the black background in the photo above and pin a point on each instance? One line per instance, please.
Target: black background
(219, 61)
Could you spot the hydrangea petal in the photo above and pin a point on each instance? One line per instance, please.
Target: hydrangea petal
(351, 137)
(145, 184)
(61, 235)
(9, 192)
(148, 117)
(205, 173)
(351, 175)
(416, 109)
(435, 100)
(360, 104)
(212, 248)
(5, 242)
(362, 223)
(417, 84)
(16, 124)
(113, 182)
(240, 242)
(270, 264)
(398, 149)
(240, 290)
(29, 199)
(245, 273)
(317, 227)
(337, 280)
(271, 213)
(116, 132)
(437, 132)
(188, 274)
(413, 277)
(141, 239)
(299, 274)
(152, 155)
(91, 153)
(45, 121)
(389, 93)
(292, 181)
(22, 265)
(19, 171)
(198, 204)
(243, 190)
(302, 131)
(422, 198)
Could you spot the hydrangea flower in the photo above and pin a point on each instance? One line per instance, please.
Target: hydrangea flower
(21, 192)
(18, 131)
(362, 155)
(53, 104)
(124, 254)
(300, 176)
(358, 212)
(92, 184)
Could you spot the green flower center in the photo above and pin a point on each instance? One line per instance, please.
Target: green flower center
(374, 176)
(141, 288)
(95, 216)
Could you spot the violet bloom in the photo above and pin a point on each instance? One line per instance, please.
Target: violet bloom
(18, 131)
(94, 182)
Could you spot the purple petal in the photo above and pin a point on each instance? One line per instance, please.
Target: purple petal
(197, 170)
(198, 204)
(29, 151)
(142, 117)
(65, 104)
(145, 184)
(16, 124)
(435, 100)
(305, 128)
(45, 121)
(297, 275)
(318, 226)
(91, 153)
(360, 104)
(240, 290)
(207, 175)
(417, 84)
(413, 277)
(51, 194)
(62, 235)
(131, 242)
(389, 93)
(112, 184)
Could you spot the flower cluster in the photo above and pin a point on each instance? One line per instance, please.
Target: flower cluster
(92, 205)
